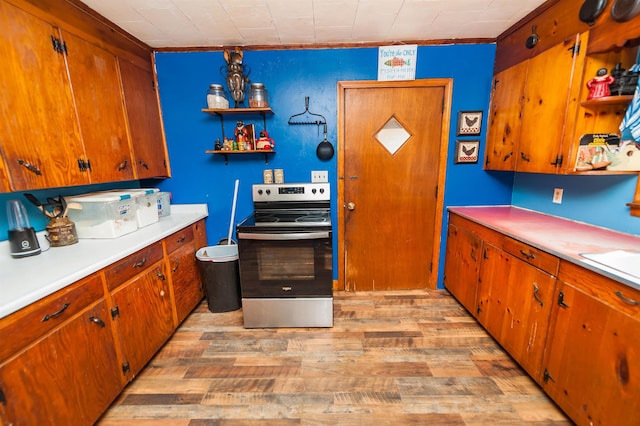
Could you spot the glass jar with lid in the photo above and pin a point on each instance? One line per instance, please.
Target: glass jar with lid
(216, 97)
(258, 96)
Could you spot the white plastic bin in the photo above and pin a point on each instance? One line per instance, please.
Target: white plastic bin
(103, 215)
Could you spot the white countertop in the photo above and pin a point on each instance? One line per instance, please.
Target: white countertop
(26, 280)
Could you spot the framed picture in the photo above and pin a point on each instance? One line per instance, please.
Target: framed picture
(469, 123)
(467, 151)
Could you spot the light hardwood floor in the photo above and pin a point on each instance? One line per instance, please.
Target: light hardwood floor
(392, 358)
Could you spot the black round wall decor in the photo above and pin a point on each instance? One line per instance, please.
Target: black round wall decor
(591, 9)
(624, 10)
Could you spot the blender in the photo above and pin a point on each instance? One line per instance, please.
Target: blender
(22, 237)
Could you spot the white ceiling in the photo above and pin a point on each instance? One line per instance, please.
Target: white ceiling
(215, 23)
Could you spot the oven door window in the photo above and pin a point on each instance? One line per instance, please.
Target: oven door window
(286, 263)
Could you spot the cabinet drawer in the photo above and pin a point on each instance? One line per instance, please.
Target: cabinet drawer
(35, 320)
(610, 292)
(532, 255)
(121, 271)
(179, 239)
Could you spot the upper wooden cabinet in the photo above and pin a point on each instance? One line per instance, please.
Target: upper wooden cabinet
(40, 139)
(539, 109)
(145, 122)
(100, 110)
(79, 104)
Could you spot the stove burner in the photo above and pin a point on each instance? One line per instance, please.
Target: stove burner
(311, 219)
(267, 219)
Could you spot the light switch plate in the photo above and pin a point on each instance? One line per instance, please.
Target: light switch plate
(557, 195)
(319, 176)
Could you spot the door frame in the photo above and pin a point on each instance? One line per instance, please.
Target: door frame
(447, 84)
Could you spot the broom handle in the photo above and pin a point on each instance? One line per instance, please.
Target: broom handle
(233, 211)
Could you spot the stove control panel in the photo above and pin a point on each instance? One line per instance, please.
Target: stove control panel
(291, 192)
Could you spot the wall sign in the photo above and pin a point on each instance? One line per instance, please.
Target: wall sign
(397, 62)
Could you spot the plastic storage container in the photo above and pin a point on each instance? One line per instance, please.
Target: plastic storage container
(103, 214)
(164, 204)
(146, 200)
(220, 276)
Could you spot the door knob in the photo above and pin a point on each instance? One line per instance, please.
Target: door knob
(351, 205)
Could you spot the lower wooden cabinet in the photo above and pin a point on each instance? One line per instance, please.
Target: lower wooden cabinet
(592, 361)
(69, 376)
(462, 265)
(514, 303)
(71, 353)
(144, 318)
(576, 332)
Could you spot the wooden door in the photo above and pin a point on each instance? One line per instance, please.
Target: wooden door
(144, 121)
(549, 79)
(505, 113)
(514, 305)
(391, 174)
(96, 89)
(462, 265)
(39, 140)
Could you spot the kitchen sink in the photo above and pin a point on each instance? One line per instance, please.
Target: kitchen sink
(627, 262)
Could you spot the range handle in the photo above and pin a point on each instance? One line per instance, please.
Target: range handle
(284, 237)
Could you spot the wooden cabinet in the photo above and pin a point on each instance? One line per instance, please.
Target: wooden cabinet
(529, 107)
(100, 110)
(505, 117)
(76, 109)
(592, 361)
(70, 373)
(506, 284)
(41, 141)
(183, 270)
(514, 301)
(462, 264)
(144, 120)
(142, 307)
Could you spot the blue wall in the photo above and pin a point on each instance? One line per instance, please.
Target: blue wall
(289, 76)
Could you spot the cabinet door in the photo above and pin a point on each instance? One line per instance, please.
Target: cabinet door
(39, 140)
(503, 132)
(514, 303)
(185, 277)
(592, 364)
(462, 263)
(145, 123)
(145, 318)
(98, 96)
(549, 79)
(69, 377)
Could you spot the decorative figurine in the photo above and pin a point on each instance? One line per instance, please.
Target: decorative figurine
(217, 146)
(240, 132)
(227, 145)
(599, 85)
(235, 75)
(264, 141)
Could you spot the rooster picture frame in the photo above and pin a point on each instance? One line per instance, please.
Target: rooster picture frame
(467, 151)
(469, 123)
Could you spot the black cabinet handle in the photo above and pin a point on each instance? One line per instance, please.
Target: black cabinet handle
(524, 157)
(143, 164)
(97, 321)
(122, 166)
(528, 255)
(536, 289)
(55, 314)
(626, 299)
(175, 268)
(140, 264)
(30, 167)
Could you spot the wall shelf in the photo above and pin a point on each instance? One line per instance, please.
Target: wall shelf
(606, 101)
(226, 154)
(221, 113)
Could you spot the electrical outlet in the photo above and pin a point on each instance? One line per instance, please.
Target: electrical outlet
(557, 195)
(319, 176)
